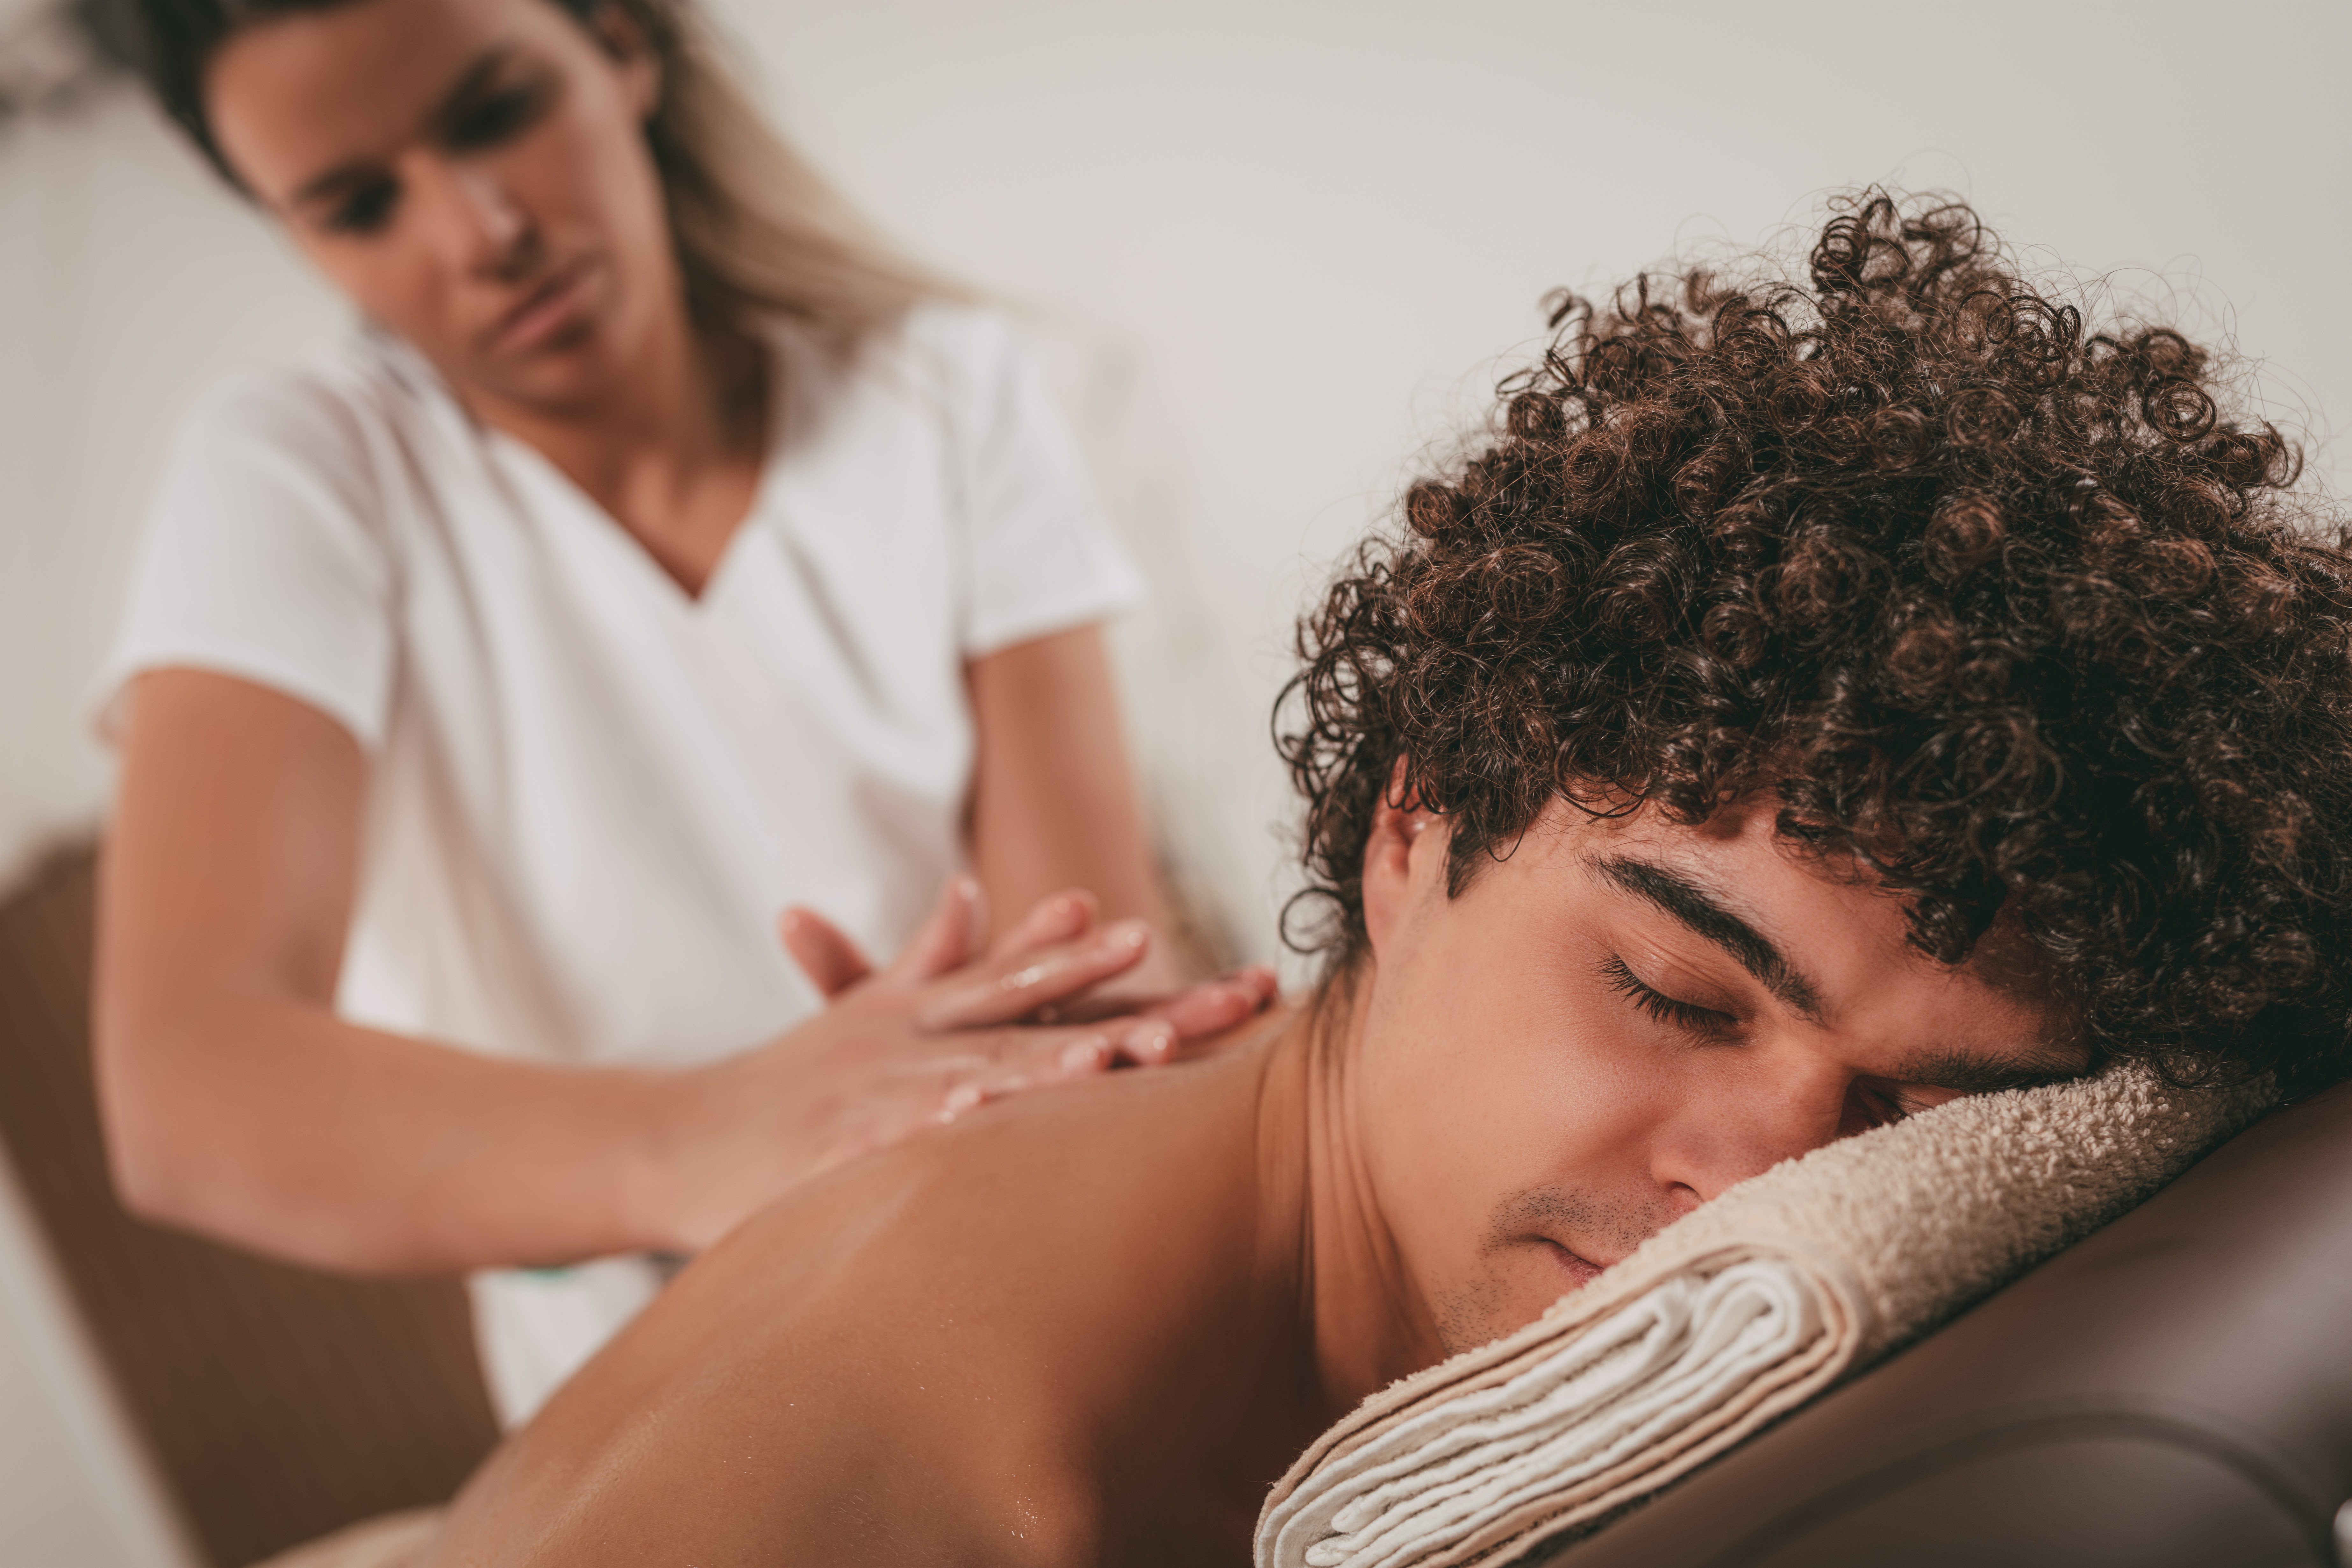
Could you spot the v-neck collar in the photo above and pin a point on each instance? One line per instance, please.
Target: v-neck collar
(500, 446)
(597, 517)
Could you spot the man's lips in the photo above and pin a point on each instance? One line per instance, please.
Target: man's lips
(547, 310)
(1578, 1269)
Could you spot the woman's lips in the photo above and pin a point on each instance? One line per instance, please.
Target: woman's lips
(546, 313)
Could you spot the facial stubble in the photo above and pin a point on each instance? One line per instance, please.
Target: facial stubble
(1483, 1308)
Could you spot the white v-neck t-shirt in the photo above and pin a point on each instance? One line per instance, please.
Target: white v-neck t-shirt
(588, 794)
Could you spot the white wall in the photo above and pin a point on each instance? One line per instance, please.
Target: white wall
(1317, 223)
(127, 278)
(1297, 235)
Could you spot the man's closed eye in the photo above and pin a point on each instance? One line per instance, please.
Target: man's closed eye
(1670, 1010)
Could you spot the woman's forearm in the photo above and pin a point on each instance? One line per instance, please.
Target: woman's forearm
(238, 1104)
(267, 1120)
(235, 1101)
(271, 1123)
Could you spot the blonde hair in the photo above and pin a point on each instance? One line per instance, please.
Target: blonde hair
(758, 232)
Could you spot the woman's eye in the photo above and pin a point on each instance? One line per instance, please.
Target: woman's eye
(366, 209)
(498, 117)
(1666, 1009)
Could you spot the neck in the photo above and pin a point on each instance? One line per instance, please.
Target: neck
(1321, 1229)
(681, 396)
(671, 449)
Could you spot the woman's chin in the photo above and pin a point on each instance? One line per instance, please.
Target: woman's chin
(576, 369)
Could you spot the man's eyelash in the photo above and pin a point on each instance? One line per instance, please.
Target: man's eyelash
(1659, 1005)
(1882, 1110)
(1888, 1107)
(1906, 1105)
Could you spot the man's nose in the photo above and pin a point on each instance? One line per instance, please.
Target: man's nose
(1715, 1138)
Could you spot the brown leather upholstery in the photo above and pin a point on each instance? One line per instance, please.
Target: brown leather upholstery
(2174, 1393)
(278, 1403)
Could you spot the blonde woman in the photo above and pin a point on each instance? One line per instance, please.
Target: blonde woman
(661, 556)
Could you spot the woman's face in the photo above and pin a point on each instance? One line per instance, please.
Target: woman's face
(473, 173)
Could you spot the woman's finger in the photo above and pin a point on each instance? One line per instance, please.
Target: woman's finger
(1004, 990)
(1065, 916)
(1026, 1059)
(1217, 1005)
(831, 962)
(1027, 1048)
(943, 942)
(1145, 1042)
(1203, 1008)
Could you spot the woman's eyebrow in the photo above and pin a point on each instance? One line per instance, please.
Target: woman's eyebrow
(478, 76)
(1696, 909)
(460, 99)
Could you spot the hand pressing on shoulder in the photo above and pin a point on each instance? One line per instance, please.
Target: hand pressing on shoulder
(940, 1030)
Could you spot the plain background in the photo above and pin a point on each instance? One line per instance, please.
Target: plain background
(1284, 249)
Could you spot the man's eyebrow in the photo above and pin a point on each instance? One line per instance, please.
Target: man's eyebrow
(1944, 1067)
(452, 107)
(1692, 905)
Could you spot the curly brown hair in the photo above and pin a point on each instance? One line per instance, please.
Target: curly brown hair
(2016, 617)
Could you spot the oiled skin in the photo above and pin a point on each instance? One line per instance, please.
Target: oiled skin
(1071, 1329)
(1091, 1324)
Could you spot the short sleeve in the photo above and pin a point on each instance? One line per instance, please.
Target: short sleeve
(1040, 554)
(264, 556)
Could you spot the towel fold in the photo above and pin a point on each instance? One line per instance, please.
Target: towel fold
(1734, 1315)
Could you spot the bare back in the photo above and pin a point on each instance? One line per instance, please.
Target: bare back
(1049, 1335)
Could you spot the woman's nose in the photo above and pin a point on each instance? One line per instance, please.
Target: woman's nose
(479, 226)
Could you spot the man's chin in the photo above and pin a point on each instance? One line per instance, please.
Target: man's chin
(1517, 1287)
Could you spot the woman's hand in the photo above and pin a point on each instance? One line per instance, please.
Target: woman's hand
(938, 1031)
(239, 1104)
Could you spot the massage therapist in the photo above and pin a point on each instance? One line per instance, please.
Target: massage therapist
(661, 556)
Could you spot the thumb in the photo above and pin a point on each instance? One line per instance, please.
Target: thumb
(830, 960)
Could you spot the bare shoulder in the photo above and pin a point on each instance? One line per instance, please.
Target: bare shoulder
(919, 1358)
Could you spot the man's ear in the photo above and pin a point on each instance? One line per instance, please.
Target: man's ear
(617, 30)
(1400, 854)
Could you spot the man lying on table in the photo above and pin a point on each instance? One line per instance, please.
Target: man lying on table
(1811, 703)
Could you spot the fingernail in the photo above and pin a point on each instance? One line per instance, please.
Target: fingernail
(1126, 933)
(1151, 1037)
(1087, 1056)
(961, 1099)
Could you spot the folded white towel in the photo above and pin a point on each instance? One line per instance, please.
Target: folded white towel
(1734, 1315)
